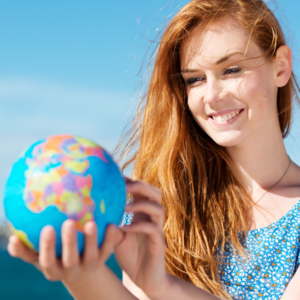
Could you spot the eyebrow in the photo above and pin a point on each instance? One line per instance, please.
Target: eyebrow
(218, 62)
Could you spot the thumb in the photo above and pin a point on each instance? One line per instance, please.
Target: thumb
(119, 236)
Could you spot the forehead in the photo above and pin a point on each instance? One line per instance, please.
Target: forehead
(207, 44)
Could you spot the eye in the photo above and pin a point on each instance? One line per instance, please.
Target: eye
(232, 71)
(194, 80)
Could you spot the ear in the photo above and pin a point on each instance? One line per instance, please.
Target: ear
(283, 65)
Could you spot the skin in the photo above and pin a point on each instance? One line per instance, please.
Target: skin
(254, 139)
(254, 142)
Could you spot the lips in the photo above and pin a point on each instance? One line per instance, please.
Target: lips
(225, 116)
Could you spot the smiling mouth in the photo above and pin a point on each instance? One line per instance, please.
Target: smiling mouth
(226, 117)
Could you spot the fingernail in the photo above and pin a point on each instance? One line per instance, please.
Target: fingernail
(70, 229)
(90, 228)
(11, 250)
(47, 233)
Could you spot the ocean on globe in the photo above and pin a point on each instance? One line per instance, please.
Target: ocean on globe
(59, 178)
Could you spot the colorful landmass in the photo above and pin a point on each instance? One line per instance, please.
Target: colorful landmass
(56, 177)
(21, 235)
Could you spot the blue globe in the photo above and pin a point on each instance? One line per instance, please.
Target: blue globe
(59, 178)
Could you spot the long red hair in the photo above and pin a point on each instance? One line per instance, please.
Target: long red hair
(205, 204)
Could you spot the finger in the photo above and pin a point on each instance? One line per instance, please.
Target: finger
(47, 257)
(155, 211)
(90, 253)
(70, 254)
(127, 179)
(150, 229)
(17, 249)
(144, 189)
(119, 237)
(108, 244)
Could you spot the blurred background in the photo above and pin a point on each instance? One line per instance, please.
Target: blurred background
(73, 67)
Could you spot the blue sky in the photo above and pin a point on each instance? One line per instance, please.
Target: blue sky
(71, 67)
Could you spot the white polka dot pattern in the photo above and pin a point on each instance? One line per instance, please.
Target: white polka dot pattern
(273, 253)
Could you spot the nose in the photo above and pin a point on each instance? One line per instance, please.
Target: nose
(213, 91)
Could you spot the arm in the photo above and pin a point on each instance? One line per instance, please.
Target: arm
(104, 285)
(178, 289)
(135, 290)
(181, 289)
(141, 252)
(292, 291)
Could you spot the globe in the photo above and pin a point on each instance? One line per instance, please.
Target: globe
(59, 178)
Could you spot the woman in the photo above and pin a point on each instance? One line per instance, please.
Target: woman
(220, 209)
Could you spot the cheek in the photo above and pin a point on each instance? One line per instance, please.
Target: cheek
(195, 103)
(196, 107)
(256, 94)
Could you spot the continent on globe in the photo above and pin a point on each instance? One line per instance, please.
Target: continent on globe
(59, 178)
(21, 235)
(56, 176)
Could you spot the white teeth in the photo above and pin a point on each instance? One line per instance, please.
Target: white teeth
(225, 118)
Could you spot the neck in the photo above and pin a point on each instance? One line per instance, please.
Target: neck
(262, 160)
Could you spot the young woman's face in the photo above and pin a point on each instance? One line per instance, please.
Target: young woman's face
(230, 96)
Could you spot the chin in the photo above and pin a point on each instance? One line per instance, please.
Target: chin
(227, 140)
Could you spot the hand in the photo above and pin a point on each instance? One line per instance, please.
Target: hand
(141, 250)
(71, 269)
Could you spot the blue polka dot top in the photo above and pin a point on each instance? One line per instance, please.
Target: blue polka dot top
(273, 253)
(273, 258)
